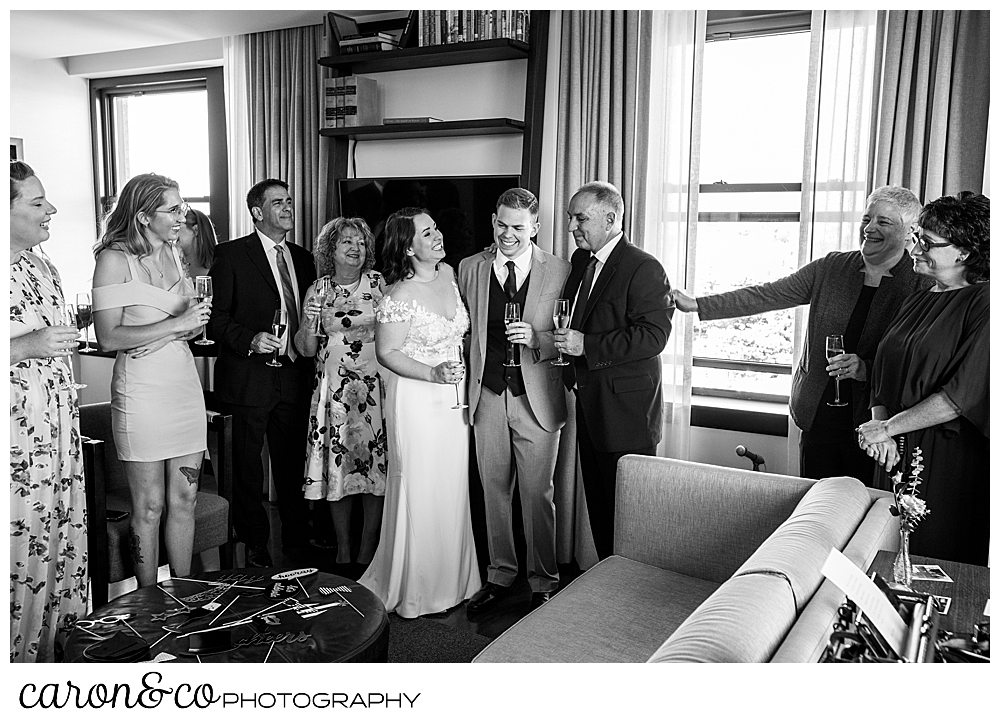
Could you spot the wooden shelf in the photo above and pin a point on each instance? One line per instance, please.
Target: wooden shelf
(430, 56)
(476, 127)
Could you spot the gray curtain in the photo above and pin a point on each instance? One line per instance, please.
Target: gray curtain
(604, 71)
(286, 101)
(603, 88)
(934, 102)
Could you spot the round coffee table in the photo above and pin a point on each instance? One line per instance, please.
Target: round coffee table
(355, 629)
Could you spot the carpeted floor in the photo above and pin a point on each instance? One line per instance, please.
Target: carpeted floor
(424, 641)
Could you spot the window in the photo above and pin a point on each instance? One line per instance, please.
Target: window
(168, 123)
(753, 121)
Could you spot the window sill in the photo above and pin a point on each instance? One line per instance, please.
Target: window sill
(739, 415)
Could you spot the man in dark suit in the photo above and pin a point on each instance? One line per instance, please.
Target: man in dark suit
(517, 412)
(620, 324)
(252, 277)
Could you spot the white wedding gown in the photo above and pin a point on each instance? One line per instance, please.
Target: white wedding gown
(426, 558)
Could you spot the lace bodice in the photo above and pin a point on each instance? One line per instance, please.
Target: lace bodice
(430, 335)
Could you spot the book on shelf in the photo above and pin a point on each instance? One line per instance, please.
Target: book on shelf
(370, 47)
(367, 38)
(410, 119)
(350, 101)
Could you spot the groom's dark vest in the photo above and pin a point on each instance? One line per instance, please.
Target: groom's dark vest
(496, 376)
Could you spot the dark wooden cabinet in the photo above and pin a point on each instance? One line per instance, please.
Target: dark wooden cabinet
(435, 56)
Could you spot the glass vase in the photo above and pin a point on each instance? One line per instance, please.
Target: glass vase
(902, 568)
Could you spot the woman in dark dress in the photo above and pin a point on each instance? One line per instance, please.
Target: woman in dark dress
(931, 382)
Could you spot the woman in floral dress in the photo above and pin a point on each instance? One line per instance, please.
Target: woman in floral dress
(346, 445)
(48, 510)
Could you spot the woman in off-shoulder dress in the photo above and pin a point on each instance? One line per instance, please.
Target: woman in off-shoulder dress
(426, 558)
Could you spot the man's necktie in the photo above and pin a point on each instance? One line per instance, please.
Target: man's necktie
(510, 285)
(289, 295)
(581, 298)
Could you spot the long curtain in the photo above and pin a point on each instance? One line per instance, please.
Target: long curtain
(673, 126)
(603, 90)
(844, 48)
(934, 101)
(286, 101)
(235, 86)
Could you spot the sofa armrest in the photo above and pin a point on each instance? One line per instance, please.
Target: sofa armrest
(697, 519)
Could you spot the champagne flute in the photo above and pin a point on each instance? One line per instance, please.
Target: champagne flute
(560, 317)
(322, 288)
(834, 347)
(278, 328)
(455, 354)
(511, 314)
(203, 292)
(69, 317)
(84, 318)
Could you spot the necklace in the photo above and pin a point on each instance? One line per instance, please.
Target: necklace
(349, 288)
(430, 280)
(155, 268)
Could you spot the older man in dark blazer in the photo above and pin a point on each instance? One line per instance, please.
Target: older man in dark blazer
(620, 324)
(252, 277)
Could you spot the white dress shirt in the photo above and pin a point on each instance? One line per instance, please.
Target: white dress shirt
(602, 257)
(269, 245)
(522, 265)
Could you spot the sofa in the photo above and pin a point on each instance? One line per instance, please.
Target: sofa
(711, 564)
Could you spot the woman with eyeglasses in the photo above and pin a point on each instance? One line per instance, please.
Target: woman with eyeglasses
(930, 382)
(48, 508)
(196, 240)
(144, 309)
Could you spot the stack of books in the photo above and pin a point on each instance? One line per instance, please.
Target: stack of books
(367, 43)
(350, 101)
(439, 27)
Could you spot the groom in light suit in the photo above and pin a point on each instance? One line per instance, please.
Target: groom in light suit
(516, 412)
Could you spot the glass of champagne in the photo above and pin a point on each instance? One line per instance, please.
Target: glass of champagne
(560, 317)
(84, 318)
(278, 329)
(455, 354)
(322, 288)
(70, 318)
(511, 314)
(203, 292)
(835, 347)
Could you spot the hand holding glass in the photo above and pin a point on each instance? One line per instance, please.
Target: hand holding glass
(69, 318)
(560, 317)
(512, 313)
(84, 318)
(203, 292)
(278, 328)
(835, 347)
(455, 354)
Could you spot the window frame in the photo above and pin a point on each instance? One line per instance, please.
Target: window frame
(104, 91)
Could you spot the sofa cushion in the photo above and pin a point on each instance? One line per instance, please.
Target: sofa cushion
(698, 519)
(744, 621)
(825, 518)
(619, 611)
(807, 639)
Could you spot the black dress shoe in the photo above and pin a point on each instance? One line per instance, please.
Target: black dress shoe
(539, 598)
(486, 597)
(258, 557)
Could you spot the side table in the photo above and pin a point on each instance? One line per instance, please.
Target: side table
(357, 632)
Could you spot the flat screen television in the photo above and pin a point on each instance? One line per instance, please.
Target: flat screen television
(462, 207)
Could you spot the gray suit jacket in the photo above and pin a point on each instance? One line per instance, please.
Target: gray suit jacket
(542, 381)
(831, 286)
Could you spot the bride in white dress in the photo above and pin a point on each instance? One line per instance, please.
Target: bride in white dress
(426, 558)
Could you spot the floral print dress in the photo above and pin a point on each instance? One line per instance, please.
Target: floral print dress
(48, 511)
(346, 446)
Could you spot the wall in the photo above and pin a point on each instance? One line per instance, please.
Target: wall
(49, 109)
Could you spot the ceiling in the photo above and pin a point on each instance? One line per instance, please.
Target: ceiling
(42, 34)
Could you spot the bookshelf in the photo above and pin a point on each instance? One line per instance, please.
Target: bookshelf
(436, 56)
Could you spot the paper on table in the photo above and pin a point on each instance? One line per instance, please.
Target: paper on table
(845, 574)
